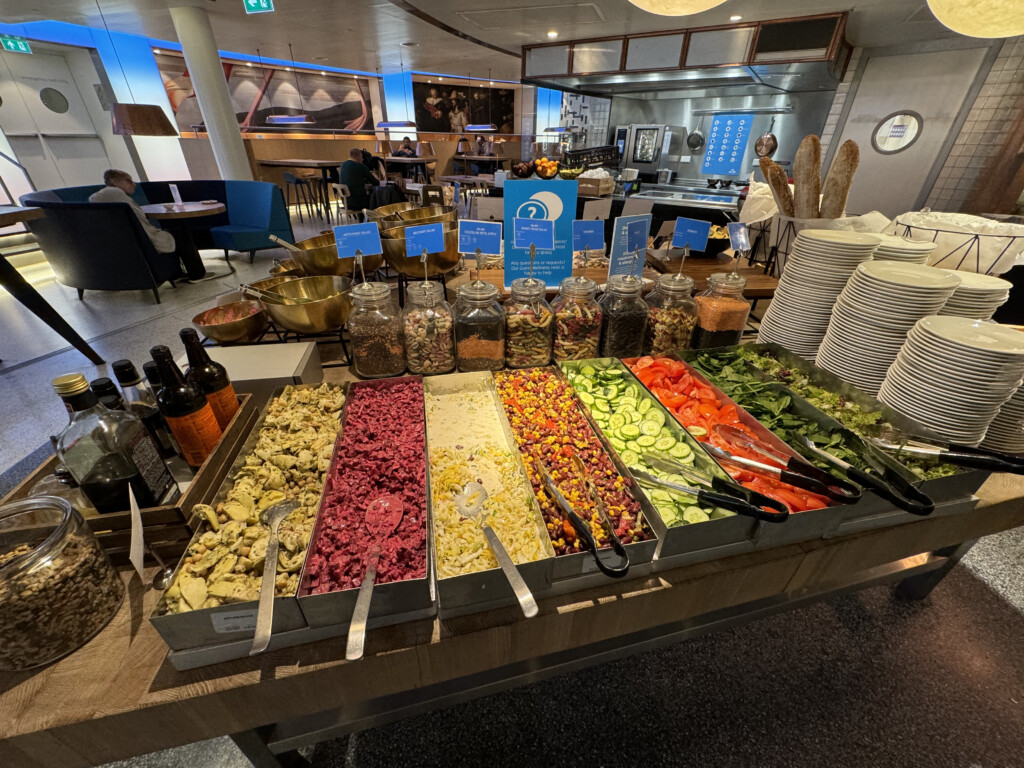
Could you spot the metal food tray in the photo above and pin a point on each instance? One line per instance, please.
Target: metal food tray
(393, 602)
(484, 590)
(215, 626)
(578, 570)
(679, 544)
(941, 489)
(799, 526)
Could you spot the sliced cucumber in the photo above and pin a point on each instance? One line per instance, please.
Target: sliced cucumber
(650, 427)
(586, 397)
(632, 390)
(645, 405)
(663, 443)
(633, 445)
(588, 370)
(630, 458)
(635, 416)
(582, 384)
(602, 405)
(646, 441)
(697, 431)
(630, 430)
(695, 515)
(680, 451)
(610, 374)
(718, 513)
(657, 415)
(666, 432)
(617, 444)
(617, 420)
(625, 402)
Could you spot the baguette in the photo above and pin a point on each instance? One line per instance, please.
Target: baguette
(778, 182)
(807, 178)
(839, 180)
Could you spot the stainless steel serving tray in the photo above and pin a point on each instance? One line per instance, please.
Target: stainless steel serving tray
(484, 590)
(393, 602)
(237, 621)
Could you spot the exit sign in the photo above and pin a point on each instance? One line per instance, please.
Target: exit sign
(20, 44)
(259, 6)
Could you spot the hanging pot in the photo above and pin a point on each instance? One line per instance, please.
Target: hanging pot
(766, 143)
(695, 141)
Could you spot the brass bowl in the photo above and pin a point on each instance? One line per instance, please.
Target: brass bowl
(432, 212)
(319, 256)
(216, 323)
(327, 312)
(266, 284)
(392, 228)
(373, 214)
(437, 263)
(286, 268)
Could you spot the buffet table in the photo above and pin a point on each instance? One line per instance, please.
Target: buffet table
(119, 696)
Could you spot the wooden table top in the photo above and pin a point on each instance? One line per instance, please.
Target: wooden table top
(488, 180)
(118, 696)
(485, 158)
(182, 211)
(299, 163)
(15, 214)
(423, 159)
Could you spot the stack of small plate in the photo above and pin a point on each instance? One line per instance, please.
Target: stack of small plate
(1006, 432)
(895, 248)
(880, 304)
(818, 267)
(978, 295)
(954, 374)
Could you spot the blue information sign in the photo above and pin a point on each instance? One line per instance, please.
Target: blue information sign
(539, 233)
(727, 144)
(364, 238)
(553, 201)
(427, 237)
(691, 232)
(629, 243)
(739, 236)
(482, 235)
(587, 234)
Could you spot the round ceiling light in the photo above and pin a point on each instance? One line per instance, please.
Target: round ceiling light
(676, 7)
(993, 18)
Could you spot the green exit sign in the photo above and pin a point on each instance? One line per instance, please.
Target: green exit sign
(259, 6)
(20, 44)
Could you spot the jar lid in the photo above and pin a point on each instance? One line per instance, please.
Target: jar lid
(728, 281)
(373, 291)
(578, 286)
(676, 283)
(625, 284)
(425, 293)
(70, 384)
(478, 290)
(528, 288)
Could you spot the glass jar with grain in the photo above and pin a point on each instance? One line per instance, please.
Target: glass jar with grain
(672, 315)
(577, 319)
(624, 317)
(721, 312)
(375, 329)
(429, 329)
(528, 324)
(479, 328)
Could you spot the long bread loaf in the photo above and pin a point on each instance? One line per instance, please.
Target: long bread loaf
(840, 180)
(778, 182)
(807, 178)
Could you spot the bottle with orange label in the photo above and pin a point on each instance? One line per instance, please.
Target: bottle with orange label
(186, 410)
(211, 377)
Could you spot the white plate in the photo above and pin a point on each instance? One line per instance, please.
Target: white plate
(913, 275)
(895, 242)
(840, 237)
(985, 337)
(973, 282)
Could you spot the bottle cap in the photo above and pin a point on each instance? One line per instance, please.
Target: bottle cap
(104, 387)
(125, 372)
(70, 384)
(152, 371)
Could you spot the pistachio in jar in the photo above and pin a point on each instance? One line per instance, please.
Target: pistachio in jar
(429, 329)
(528, 325)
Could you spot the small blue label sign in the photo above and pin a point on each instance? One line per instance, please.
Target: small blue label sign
(537, 232)
(364, 238)
(428, 237)
(739, 236)
(636, 235)
(629, 241)
(259, 6)
(587, 234)
(691, 232)
(485, 235)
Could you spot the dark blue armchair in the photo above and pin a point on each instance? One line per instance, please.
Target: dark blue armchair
(255, 211)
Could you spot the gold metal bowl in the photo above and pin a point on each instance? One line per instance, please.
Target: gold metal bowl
(319, 256)
(437, 263)
(266, 284)
(374, 214)
(223, 324)
(325, 308)
(287, 268)
(433, 212)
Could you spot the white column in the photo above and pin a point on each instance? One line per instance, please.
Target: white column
(196, 35)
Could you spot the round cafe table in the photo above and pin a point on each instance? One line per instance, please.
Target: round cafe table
(187, 251)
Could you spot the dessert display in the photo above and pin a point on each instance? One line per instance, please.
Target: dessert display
(380, 454)
(467, 443)
(288, 460)
(549, 427)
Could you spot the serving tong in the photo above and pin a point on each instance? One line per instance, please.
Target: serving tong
(794, 471)
(612, 562)
(951, 453)
(725, 493)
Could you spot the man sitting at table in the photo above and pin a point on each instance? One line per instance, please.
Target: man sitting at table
(406, 150)
(119, 188)
(355, 175)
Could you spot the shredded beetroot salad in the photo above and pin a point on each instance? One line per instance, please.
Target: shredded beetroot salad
(381, 453)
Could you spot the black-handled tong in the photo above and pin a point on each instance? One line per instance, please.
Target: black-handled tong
(612, 562)
(794, 470)
(726, 494)
(960, 455)
(884, 481)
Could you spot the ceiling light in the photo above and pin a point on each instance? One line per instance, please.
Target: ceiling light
(552, 34)
(440, 79)
(481, 128)
(492, 82)
(735, 18)
(248, 63)
(287, 69)
(994, 18)
(157, 50)
(322, 72)
(677, 7)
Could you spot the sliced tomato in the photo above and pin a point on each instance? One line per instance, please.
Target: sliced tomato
(643, 362)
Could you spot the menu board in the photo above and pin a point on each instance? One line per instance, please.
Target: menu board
(727, 145)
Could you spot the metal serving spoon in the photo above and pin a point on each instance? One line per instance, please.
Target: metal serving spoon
(271, 518)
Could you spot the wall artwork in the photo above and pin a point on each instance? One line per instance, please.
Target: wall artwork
(443, 108)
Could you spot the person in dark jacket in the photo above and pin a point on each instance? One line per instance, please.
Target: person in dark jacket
(356, 176)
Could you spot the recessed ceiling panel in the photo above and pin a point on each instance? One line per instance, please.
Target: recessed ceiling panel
(533, 15)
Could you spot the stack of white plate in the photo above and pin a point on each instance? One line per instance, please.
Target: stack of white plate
(895, 248)
(817, 269)
(978, 295)
(880, 304)
(954, 374)
(1006, 432)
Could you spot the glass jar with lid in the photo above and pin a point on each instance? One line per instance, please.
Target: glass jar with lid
(721, 312)
(672, 315)
(375, 330)
(528, 324)
(57, 586)
(577, 319)
(429, 329)
(624, 318)
(479, 328)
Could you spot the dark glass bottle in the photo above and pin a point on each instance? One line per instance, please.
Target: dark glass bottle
(141, 401)
(212, 378)
(108, 451)
(108, 393)
(186, 411)
(152, 373)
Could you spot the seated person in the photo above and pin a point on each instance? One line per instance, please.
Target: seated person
(356, 176)
(406, 150)
(484, 148)
(119, 188)
(374, 164)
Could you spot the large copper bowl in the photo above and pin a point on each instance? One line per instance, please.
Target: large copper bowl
(437, 263)
(239, 321)
(432, 212)
(373, 214)
(319, 256)
(287, 268)
(266, 284)
(327, 311)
